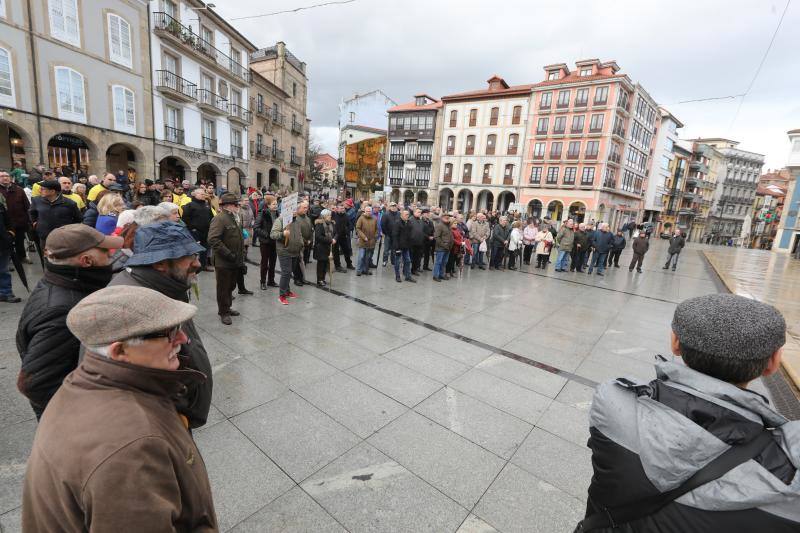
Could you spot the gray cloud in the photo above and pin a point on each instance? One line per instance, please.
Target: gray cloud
(677, 50)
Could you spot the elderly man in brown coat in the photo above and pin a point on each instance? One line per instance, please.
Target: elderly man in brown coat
(111, 452)
(226, 239)
(367, 231)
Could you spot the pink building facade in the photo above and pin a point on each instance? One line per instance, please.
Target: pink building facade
(588, 148)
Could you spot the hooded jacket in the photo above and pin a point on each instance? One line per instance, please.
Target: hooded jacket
(196, 403)
(112, 454)
(648, 438)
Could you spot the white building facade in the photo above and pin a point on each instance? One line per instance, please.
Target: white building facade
(201, 81)
(663, 155)
(481, 146)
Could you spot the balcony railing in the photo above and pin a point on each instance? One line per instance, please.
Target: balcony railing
(559, 131)
(163, 23)
(278, 118)
(411, 157)
(295, 160)
(209, 144)
(424, 158)
(562, 105)
(278, 155)
(573, 155)
(512, 150)
(258, 151)
(447, 178)
(395, 182)
(215, 101)
(397, 157)
(490, 150)
(614, 158)
(541, 132)
(297, 127)
(508, 180)
(469, 150)
(236, 151)
(590, 156)
(240, 113)
(581, 103)
(487, 180)
(173, 135)
(422, 182)
(450, 150)
(169, 80)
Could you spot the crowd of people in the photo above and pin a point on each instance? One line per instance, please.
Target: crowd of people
(118, 377)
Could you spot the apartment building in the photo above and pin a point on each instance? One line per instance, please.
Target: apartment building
(75, 85)
(731, 212)
(589, 143)
(201, 85)
(283, 90)
(367, 110)
(481, 148)
(413, 155)
(787, 239)
(362, 156)
(661, 170)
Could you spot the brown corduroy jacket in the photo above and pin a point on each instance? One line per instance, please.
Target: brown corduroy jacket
(112, 454)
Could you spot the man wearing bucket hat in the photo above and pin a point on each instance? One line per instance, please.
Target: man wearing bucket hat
(226, 240)
(112, 452)
(78, 263)
(165, 259)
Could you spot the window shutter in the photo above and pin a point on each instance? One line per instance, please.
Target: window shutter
(77, 92)
(130, 110)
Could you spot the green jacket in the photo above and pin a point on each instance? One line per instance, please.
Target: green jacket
(225, 238)
(306, 227)
(287, 246)
(565, 238)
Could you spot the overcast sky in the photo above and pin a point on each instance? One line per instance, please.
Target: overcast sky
(677, 49)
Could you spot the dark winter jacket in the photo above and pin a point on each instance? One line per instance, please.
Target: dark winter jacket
(17, 205)
(341, 224)
(640, 245)
(197, 402)
(603, 241)
(676, 244)
(580, 242)
(263, 225)
(619, 243)
(417, 235)
(5, 226)
(565, 238)
(197, 216)
(427, 228)
(500, 235)
(388, 221)
(226, 239)
(91, 214)
(401, 235)
(647, 438)
(47, 216)
(323, 235)
(47, 348)
(443, 236)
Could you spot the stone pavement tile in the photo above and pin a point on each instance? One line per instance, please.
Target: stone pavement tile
(330, 317)
(473, 524)
(360, 408)
(568, 361)
(297, 436)
(394, 380)
(294, 512)
(464, 352)
(504, 395)
(367, 492)
(290, 365)
(243, 479)
(240, 338)
(557, 461)
(567, 422)
(15, 446)
(214, 416)
(516, 313)
(576, 395)
(8, 327)
(571, 341)
(427, 362)
(14, 407)
(476, 421)
(11, 522)
(241, 385)
(519, 502)
(630, 342)
(638, 365)
(527, 376)
(452, 464)
(374, 339)
(338, 352)
(491, 330)
(218, 353)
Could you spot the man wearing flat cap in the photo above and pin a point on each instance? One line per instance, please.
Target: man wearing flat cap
(226, 240)
(51, 210)
(112, 452)
(165, 259)
(712, 454)
(77, 263)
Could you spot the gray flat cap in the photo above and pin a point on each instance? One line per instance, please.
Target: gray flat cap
(729, 326)
(124, 312)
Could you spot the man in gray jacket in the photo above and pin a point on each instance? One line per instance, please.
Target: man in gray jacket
(676, 244)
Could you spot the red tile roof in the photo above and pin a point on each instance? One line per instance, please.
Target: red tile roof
(412, 106)
(575, 77)
(483, 93)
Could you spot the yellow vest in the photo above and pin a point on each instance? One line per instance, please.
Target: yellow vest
(94, 192)
(35, 190)
(75, 198)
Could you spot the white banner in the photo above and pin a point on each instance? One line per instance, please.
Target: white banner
(288, 207)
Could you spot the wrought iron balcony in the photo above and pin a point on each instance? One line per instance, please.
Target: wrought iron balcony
(397, 157)
(297, 128)
(424, 158)
(236, 151)
(295, 160)
(240, 114)
(175, 86)
(213, 103)
(173, 135)
(259, 151)
(278, 118)
(278, 155)
(395, 182)
(209, 144)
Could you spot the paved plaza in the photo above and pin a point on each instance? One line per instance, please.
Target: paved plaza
(387, 407)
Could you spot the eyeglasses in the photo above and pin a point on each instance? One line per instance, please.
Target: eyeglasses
(170, 334)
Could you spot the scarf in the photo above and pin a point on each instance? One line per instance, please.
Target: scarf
(83, 279)
(152, 279)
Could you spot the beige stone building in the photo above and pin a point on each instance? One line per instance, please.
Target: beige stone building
(280, 129)
(75, 85)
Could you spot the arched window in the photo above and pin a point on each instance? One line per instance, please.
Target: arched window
(70, 94)
(448, 172)
(6, 79)
(64, 21)
(491, 142)
(451, 145)
(453, 118)
(513, 143)
(119, 40)
(494, 116)
(470, 148)
(467, 177)
(124, 109)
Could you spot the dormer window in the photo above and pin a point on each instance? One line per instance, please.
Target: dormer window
(552, 75)
(420, 100)
(586, 71)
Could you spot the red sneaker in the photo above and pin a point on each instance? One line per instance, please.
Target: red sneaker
(282, 299)
(290, 294)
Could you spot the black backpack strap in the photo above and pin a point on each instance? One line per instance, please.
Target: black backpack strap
(733, 457)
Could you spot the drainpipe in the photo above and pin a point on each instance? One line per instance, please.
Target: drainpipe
(35, 83)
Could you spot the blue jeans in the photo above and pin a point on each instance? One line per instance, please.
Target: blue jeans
(477, 255)
(598, 261)
(439, 263)
(5, 277)
(387, 248)
(562, 261)
(405, 255)
(364, 259)
(673, 258)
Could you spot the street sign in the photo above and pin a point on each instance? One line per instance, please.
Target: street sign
(288, 207)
